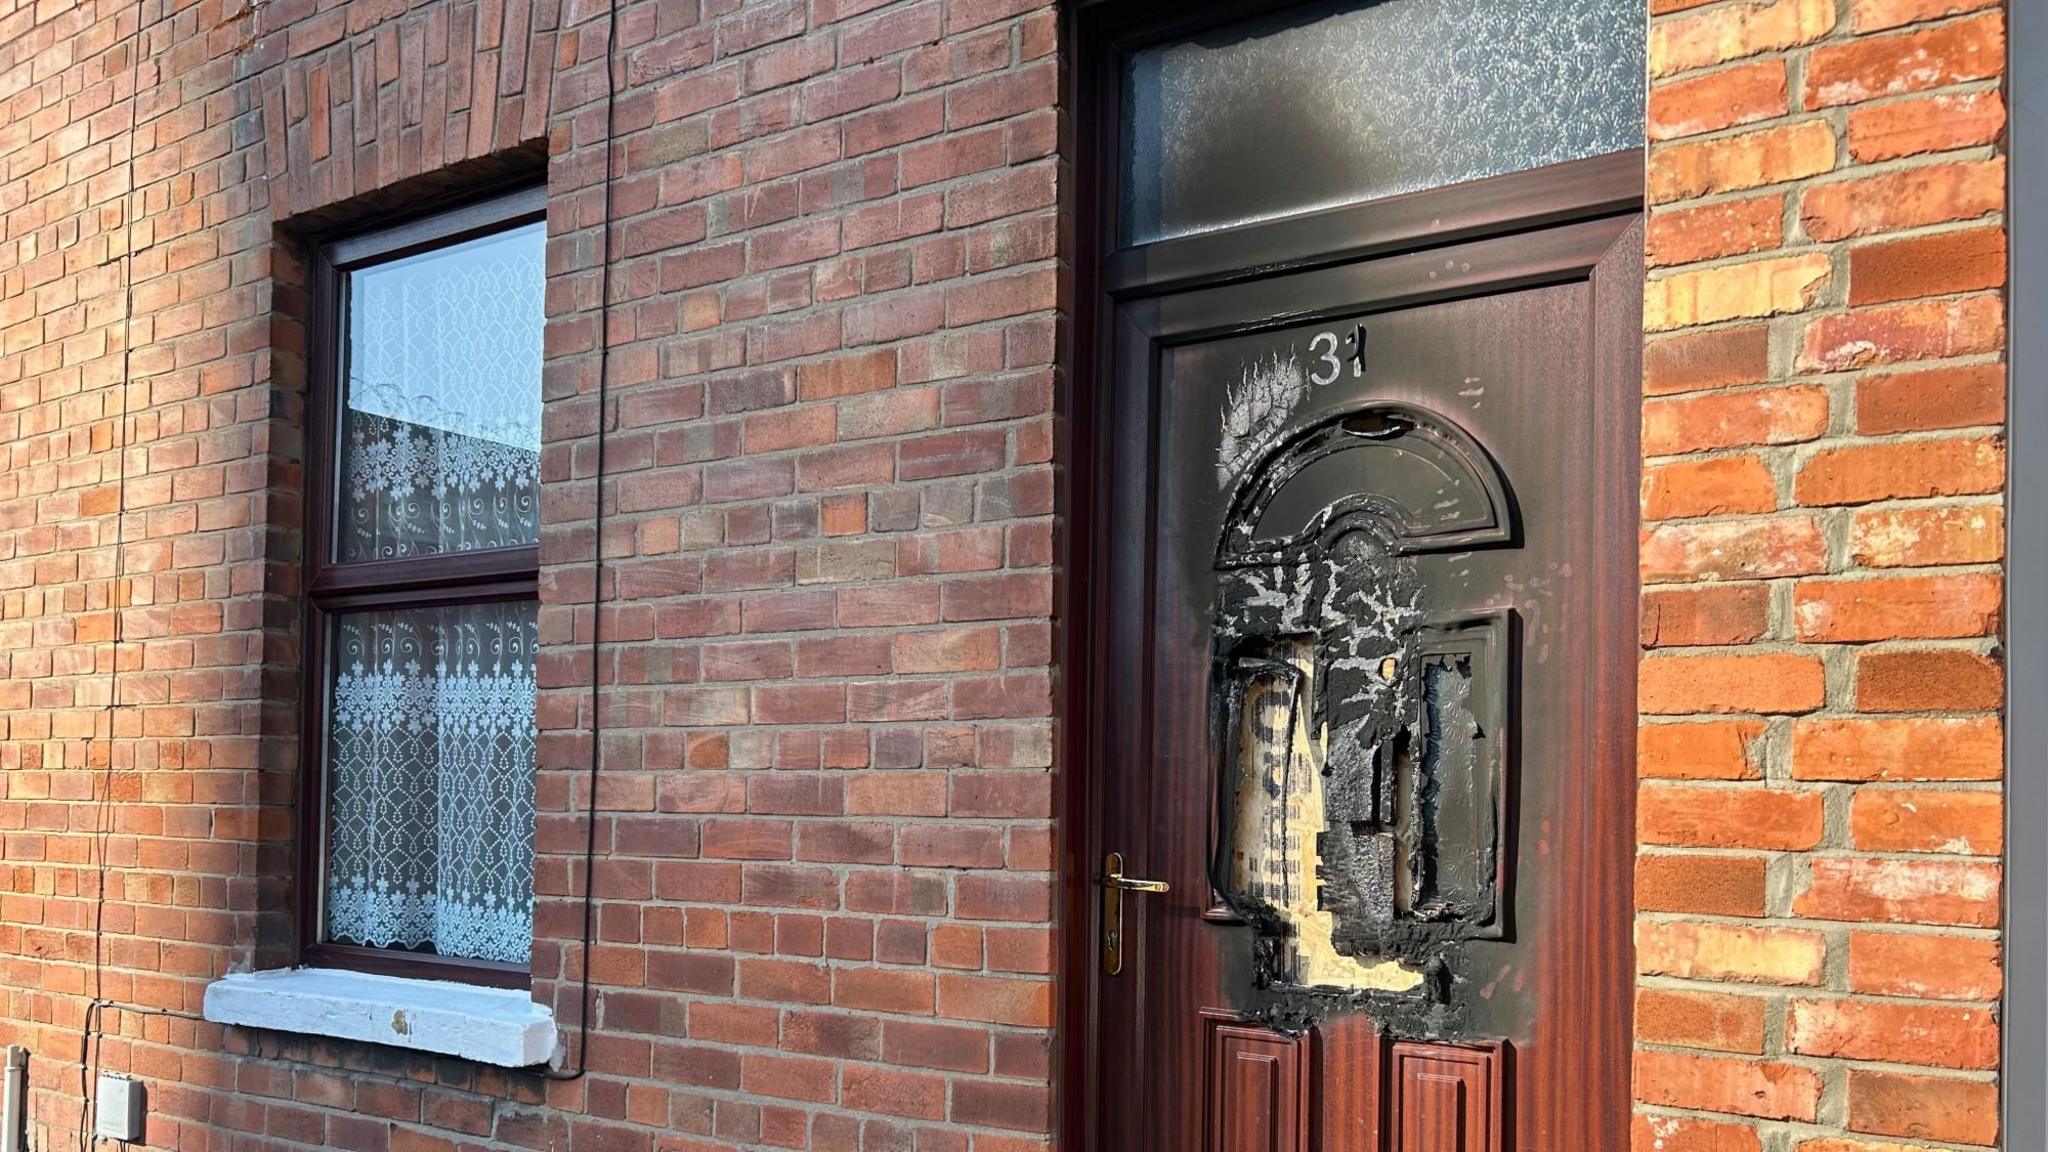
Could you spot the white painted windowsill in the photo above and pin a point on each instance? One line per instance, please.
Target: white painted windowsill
(501, 1026)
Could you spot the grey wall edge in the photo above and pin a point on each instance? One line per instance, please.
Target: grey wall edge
(2025, 1074)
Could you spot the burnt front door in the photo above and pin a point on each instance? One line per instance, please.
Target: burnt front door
(1360, 612)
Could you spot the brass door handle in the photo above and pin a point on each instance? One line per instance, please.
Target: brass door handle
(1113, 877)
(1114, 885)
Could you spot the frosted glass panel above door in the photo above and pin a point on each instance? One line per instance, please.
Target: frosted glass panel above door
(1334, 104)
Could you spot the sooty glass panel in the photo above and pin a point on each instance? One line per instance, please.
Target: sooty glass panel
(1337, 104)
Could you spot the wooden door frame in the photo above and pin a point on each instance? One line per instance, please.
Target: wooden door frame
(1095, 35)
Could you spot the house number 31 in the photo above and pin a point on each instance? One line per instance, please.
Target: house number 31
(1327, 344)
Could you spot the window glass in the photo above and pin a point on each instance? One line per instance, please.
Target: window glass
(1335, 104)
(441, 434)
(430, 779)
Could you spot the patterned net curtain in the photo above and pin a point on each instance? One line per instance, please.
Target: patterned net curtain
(431, 778)
(431, 747)
(441, 446)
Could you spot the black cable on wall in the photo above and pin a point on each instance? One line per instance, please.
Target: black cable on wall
(88, 1052)
(604, 309)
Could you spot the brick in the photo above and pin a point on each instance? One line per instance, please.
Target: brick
(1707, 885)
(1943, 123)
(943, 1046)
(1928, 967)
(1937, 1036)
(1774, 155)
(1770, 1090)
(1661, 1133)
(1717, 100)
(893, 1093)
(1910, 469)
(995, 1000)
(1735, 31)
(1722, 817)
(1695, 361)
(1684, 616)
(1884, 749)
(1905, 198)
(1733, 550)
(952, 454)
(1700, 1020)
(950, 650)
(1930, 398)
(952, 847)
(1898, 607)
(1941, 1108)
(1749, 682)
(995, 1104)
(1896, 891)
(1878, 15)
(997, 597)
(1717, 486)
(1713, 750)
(845, 376)
(1009, 193)
(1730, 953)
(1733, 419)
(1734, 291)
(1928, 680)
(1712, 231)
(884, 990)
(1918, 330)
(1964, 823)
(1911, 61)
(1934, 265)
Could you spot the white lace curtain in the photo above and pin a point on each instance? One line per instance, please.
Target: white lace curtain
(431, 746)
(441, 447)
(430, 769)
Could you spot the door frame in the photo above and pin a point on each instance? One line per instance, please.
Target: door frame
(1095, 37)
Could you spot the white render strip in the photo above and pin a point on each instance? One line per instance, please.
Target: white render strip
(501, 1026)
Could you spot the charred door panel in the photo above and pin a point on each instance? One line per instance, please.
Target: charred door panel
(1360, 791)
(1370, 584)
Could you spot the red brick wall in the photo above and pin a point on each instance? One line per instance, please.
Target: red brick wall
(1824, 397)
(824, 852)
(823, 890)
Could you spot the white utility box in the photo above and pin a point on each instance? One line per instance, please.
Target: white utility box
(117, 1108)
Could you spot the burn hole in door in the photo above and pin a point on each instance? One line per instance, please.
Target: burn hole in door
(1362, 730)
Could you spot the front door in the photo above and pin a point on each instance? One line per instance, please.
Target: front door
(1361, 604)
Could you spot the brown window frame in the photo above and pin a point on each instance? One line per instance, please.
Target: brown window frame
(331, 588)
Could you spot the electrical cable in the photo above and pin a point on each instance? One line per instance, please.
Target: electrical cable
(604, 343)
(88, 1052)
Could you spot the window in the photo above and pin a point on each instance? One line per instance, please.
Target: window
(1324, 105)
(423, 541)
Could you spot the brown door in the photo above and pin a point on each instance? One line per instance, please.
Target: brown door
(1357, 606)
(1365, 704)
